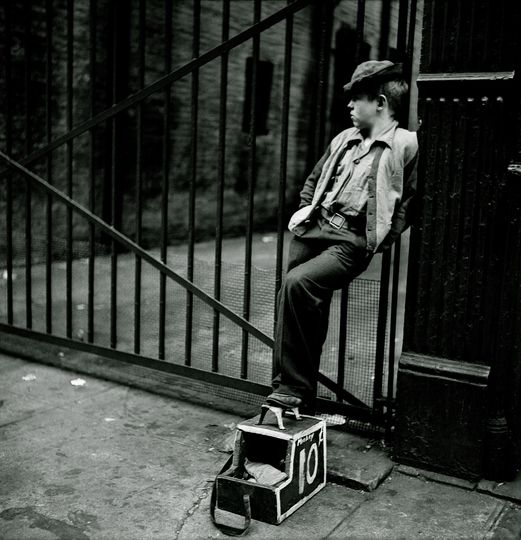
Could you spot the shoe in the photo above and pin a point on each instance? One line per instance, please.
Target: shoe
(285, 401)
(279, 404)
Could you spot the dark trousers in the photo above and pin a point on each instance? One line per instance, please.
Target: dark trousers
(316, 268)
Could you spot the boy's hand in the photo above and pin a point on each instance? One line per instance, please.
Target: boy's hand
(300, 216)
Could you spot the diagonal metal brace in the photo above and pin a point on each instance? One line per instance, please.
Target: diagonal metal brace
(346, 396)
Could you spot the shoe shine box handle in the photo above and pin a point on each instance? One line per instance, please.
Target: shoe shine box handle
(299, 451)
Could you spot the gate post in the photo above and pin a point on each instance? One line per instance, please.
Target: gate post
(456, 393)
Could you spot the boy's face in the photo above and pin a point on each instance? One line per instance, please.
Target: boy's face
(363, 111)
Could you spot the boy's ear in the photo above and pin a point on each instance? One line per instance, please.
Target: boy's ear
(381, 101)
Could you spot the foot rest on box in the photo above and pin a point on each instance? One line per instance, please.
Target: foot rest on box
(299, 451)
(279, 412)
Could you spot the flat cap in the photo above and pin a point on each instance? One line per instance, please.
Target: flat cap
(373, 71)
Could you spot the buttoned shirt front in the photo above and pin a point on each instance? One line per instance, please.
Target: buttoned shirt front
(349, 190)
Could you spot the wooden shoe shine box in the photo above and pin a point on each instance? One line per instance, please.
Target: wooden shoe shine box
(299, 450)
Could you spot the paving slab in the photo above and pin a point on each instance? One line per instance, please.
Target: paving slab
(357, 462)
(156, 511)
(26, 377)
(507, 490)
(28, 388)
(507, 526)
(72, 472)
(107, 461)
(436, 477)
(407, 507)
(321, 515)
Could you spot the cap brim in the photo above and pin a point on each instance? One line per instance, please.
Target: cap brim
(384, 74)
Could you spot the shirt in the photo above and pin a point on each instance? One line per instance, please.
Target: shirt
(393, 187)
(348, 191)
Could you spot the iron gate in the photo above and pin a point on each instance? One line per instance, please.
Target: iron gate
(78, 275)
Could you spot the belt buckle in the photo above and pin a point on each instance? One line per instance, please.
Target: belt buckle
(337, 221)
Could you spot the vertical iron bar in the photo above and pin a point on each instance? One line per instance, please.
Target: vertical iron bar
(342, 342)
(392, 323)
(286, 87)
(92, 171)
(383, 303)
(28, 198)
(69, 158)
(220, 179)
(405, 52)
(381, 327)
(48, 128)
(385, 24)
(167, 52)
(360, 21)
(193, 181)
(408, 47)
(323, 65)
(251, 186)
(9, 178)
(113, 190)
(401, 38)
(139, 177)
(411, 39)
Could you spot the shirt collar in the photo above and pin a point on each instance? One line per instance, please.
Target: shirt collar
(386, 135)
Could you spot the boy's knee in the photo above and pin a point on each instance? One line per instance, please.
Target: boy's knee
(295, 280)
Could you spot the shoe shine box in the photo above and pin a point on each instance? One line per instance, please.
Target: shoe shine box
(299, 451)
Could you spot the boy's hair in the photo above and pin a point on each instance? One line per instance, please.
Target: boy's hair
(396, 91)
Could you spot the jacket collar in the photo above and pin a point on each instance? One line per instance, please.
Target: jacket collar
(385, 136)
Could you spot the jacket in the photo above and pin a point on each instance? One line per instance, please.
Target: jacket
(394, 185)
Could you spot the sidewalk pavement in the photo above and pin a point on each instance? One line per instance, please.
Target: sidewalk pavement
(84, 458)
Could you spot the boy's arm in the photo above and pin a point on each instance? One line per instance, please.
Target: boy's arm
(405, 212)
(306, 195)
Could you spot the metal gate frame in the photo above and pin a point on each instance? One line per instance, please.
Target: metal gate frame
(381, 413)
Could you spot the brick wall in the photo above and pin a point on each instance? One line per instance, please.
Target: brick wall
(124, 22)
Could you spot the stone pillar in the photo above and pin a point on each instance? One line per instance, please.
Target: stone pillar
(451, 405)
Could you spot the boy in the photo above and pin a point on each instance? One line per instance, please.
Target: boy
(356, 202)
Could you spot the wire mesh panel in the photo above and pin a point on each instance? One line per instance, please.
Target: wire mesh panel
(360, 330)
(155, 158)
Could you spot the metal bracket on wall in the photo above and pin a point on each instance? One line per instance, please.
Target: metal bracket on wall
(514, 169)
(489, 76)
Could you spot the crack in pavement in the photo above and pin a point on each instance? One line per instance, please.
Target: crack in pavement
(201, 494)
(345, 518)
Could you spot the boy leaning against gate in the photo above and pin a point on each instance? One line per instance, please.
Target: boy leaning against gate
(355, 203)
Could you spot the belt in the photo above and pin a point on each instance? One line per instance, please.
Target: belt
(339, 221)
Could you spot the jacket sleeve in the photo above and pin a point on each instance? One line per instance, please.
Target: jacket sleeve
(404, 214)
(306, 195)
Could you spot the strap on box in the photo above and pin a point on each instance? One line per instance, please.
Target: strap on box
(227, 529)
